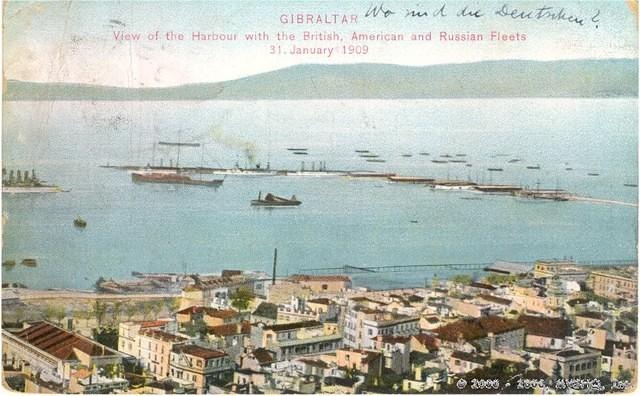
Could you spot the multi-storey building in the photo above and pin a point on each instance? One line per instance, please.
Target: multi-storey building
(154, 350)
(293, 339)
(201, 366)
(363, 325)
(615, 284)
(573, 363)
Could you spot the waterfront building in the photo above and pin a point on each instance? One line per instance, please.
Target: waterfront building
(323, 284)
(564, 269)
(615, 284)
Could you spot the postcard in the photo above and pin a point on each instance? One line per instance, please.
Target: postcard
(321, 197)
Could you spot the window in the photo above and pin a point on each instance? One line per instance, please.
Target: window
(199, 363)
(456, 362)
(325, 286)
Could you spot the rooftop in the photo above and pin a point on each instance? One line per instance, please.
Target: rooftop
(198, 351)
(226, 330)
(61, 343)
(319, 278)
(293, 326)
(546, 327)
(162, 335)
(472, 329)
(469, 357)
(494, 299)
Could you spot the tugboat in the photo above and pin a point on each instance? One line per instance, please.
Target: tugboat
(79, 222)
(274, 200)
(29, 262)
(9, 263)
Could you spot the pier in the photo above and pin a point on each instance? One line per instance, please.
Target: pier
(354, 270)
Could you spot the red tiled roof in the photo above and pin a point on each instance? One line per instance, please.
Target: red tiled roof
(473, 329)
(59, 342)
(546, 327)
(154, 323)
(591, 315)
(194, 350)
(391, 339)
(430, 342)
(230, 329)
(323, 301)
(263, 356)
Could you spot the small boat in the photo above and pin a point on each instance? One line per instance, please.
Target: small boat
(375, 160)
(494, 169)
(274, 200)
(79, 222)
(630, 185)
(296, 149)
(439, 162)
(461, 155)
(471, 198)
(514, 160)
(593, 174)
(300, 153)
(424, 153)
(9, 263)
(446, 156)
(369, 155)
(568, 169)
(537, 167)
(469, 165)
(29, 262)
(407, 155)
(361, 151)
(413, 221)
(458, 161)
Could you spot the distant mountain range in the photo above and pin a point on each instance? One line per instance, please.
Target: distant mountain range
(488, 79)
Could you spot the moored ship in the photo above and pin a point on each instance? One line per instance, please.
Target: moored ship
(172, 178)
(21, 183)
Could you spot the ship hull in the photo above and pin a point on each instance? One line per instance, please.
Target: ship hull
(31, 190)
(173, 179)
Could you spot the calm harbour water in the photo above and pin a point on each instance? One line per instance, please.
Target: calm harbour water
(341, 221)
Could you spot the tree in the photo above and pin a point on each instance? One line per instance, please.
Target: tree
(241, 298)
(130, 310)
(624, 375)
(462, 279)
(117, 310)
(100, 310)
(55, 312)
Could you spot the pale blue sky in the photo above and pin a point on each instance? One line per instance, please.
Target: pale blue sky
(74, 42)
